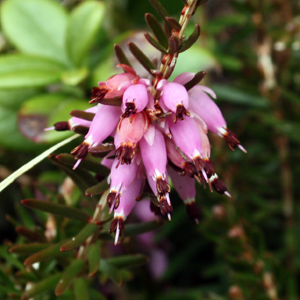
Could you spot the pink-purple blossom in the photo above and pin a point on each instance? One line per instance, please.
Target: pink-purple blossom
(160, 138)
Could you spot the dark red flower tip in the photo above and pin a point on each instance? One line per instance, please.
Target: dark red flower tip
(62, 126)
(180, 112)
(98, 93)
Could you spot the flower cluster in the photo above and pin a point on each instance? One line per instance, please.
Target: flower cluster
(155, 139)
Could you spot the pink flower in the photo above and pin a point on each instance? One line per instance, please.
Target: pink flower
(127, 202)
(115, 85)
(154, 138)
(104, 123)
(203, 106)
(135, 99)
(175, 98)
(130, 131)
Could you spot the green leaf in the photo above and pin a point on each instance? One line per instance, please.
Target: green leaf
(136, 229)
(83, 25)
(80, 238)
(80, 289)
(239, 96)
(57, 209)
(28, 249)
(23, 71)
(159, 8)
(141, 57)
(190, 41)
(121, 56)
(43, 286)
(9, 128)
(155, 43)
(13, 98)
(44, 111)
(27, 25)
(81, 177)
(44, 255)
(68, 275)
(111, 272)
(74, 77)
(31, 235)
(94, 259)
(8, 180)
(86, 164)
(157, 30)
(9, 258)
(128, 261)
(27, 276)
(97, 189)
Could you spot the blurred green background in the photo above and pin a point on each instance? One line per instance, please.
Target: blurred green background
(247, 247)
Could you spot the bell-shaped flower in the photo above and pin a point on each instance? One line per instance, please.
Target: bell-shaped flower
(177, 159)
(185, 187)
(127, 202)
(135, 99)
(187, 138)
(129, 133)
(115, 85)
(205, 152)
(203, 106)
(175, 97)
(121, 176)
(153, 151)
(103, 124)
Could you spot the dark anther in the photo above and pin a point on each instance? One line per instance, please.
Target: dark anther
(180, 112)
(219, 186)
(125, 154)
(208, 168)
(162, 186)
(113, 200)
(192, 211)
(117, 226)
(155, 209)
(81, 151)
(190, 169)
(62, 126)
(130, 109)
(199, 164)
(232, 139)
(98, 93)
(165, 208)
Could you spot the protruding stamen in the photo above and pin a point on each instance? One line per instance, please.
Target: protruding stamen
(117, 226)
(162, 186)
(155, 209)
(190, 169)
(113, 200)
(219, 185)
(232, 140)
(49, 128)
(200, 167)
(242, 148)
(192, 211)
(165, 207)
(208, 167)
(125, 153)
(80, 152)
